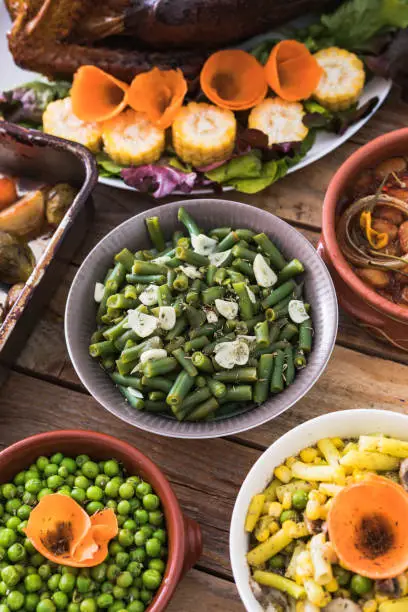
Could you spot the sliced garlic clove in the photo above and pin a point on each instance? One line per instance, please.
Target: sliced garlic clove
(203, 245)
(212, 316)
(191, 271)
(251, 295)
(241, 352)
(265, 276)
(217, 259)
(153, 354)
(297, 311)
(225, 355)
(135, 392)
(98, 292)
(167, 317)
(229, 310)
(143, 324)
(150, 296)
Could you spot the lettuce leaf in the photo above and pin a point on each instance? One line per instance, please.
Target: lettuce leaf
(25, 104)
(159, 181)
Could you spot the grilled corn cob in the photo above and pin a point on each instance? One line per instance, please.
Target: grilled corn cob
(280, 120)
(59, 120)
(130, 139)
(342, 81)
(204, 133)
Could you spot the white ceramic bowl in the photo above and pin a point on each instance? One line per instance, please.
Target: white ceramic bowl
(347, 423)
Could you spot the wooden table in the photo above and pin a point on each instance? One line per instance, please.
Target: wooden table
(43, 392)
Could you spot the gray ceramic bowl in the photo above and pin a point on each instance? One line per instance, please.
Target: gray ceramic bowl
(80, 313)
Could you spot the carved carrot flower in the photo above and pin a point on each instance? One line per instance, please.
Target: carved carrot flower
(159, 94)
(233, 79)
(64, 533)
(97, 95)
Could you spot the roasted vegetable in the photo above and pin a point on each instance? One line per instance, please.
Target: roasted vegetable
(58, 201)
(24, 217)
(13, 295)
(8, 191)
(16, 259)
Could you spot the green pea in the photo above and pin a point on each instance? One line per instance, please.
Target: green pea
(34, 485)
(88, 605)
(151, 579)
(67, 583)
(135, 568)
(19, 479)
(93, 507)
(118, 606)
(2, 553)
(23, 512)
(57, 458)
(98, 573)
(69, 464)
(140, 538)
(124, 580)
(158, 565)
(119, 592)
(123, 507)
(276, 562)
(125, 537)
(112, 489)
(7, 537)
(78, 494)
(122, 559)
(31, 602)
(107, 587)
(134, 504)
(60, 600)
(83, 584)
(16, 553)
(160, 535)
(299, 499)
(50, 470)
(94, 493)
(289, 515)
(141, 517)
(142, 489)
(90, 469)
(29, 499)
(112, 572)
(136, 606)
(146, 596)
(42, 463)
(153, 547)
(101, 480)
(115, 548)
(74, 607)
(81, 459)
(44, 571)
(111, 468)
(53, 582)
(4, 608)
(15, 600)
(138, 554)
(81, 482)
(126, 491)
(13, 523)
(9, 491)
(113, 504)
(156, 518)
(37, 559)
(63, 472)
(342, 575)
(151, 501)
(53, 482)
(361, 585)
(104, 601)
(10, 576)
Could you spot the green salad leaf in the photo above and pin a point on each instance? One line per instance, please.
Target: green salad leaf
(107, 167)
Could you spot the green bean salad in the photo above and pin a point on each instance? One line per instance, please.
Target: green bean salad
(204, 325)
(133, 570)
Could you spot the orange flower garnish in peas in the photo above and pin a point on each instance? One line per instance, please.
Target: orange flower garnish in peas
(292, 71)
(159, 94)
(233, 79)
(97, 95)
(65, 534)
(368, 528)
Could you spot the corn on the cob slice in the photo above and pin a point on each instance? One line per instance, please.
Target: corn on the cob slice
(204, 133)
(59, 120)
(342, 81)
(130, 139)
(280, 120)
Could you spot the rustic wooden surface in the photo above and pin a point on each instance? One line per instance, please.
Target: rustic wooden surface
(44, 393)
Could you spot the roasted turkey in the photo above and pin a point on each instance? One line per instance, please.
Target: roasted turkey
(125, 37)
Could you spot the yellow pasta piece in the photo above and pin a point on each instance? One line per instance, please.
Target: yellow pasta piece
(324, 473)
(262, 529)
(338, 442)
(368, 443)
(270, 491)
(290, 461)
(287, 500)
(315, 593)
(330, 489)
(268, 549)
(293, 563)
(397, 605)
(254, 511)
(275, 509)
(322, 570)
(329, 451)
(312, 510)
(295, 530)
(276, 581)
(396, 448)
(304, 565)
(365, 460)
(308, 455)
(283, 473)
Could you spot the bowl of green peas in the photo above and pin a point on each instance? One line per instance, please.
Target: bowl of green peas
(155, 544)
(202, 318)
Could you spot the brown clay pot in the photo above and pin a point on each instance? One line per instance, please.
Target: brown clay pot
(185, 544)
(380, 317)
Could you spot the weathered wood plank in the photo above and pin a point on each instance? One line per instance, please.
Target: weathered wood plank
(205, 474)
(201, 592)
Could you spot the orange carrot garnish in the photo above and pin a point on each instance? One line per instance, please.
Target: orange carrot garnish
(292, 71)
(97, 95)
(159, 94)
(233, 79)
(368, 529)
(63, 532)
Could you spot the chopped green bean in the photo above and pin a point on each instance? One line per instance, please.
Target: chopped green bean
(220, 276)
(188, 222)
(244, 267)
(136, 402)
(211, 270)
(276, 295)
(195, 317)
(146, 279)
(176, 236)
(186, 362)
(237, 375)
(102, 349)
(180, 326)
(266, 245)
(191, 257)
(127, 381)
(211, 294)
(180, 282)
(159, 366)
(289, 331)
(262, 334)
(196, 343)
(289, 373)
(244, 302)
(277, 374)
(227, 242)
(126, 258)
(150, 406)
(182, 385)
(158, 383)
(293, 268)
(241, 252)
(305, 336)
(217, 388)
(299, 359)
(118, 300)
(219, 232)
(202, 362)
(203, 410)
(155, 232)
(265, 369)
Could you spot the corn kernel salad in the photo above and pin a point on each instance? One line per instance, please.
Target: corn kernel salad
(329, 532)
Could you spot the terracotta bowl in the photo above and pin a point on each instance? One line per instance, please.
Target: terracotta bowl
(380, 317)
(185, 543)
